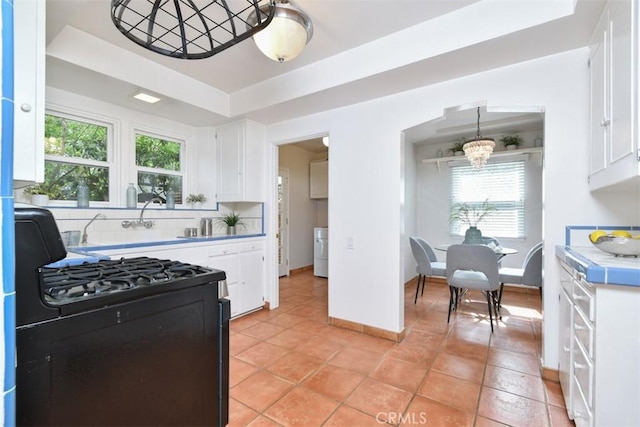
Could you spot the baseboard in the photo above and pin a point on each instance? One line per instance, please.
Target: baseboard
(300, 269)
(369, 330)
(548, 373)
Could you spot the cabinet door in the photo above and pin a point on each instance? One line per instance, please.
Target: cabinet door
(230, 158)
(251, 285)
(622, 80)
(566, 340)
(319, 179)
(598, 68)
(229, 264)
(240, 160)
(29, 84)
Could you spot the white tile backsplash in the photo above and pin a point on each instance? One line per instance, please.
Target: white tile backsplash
(168, 224)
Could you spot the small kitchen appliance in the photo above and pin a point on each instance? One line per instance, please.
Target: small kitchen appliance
(139, 341)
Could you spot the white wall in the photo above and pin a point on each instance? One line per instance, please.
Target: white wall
(303, 211)
(433, 204)
(365, 176)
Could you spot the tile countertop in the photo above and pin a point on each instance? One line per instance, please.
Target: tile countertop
(75, 258)
(93, 248)
(601, 267)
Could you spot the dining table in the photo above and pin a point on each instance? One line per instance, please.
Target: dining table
(499, 250)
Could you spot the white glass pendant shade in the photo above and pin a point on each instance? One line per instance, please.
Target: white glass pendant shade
(286, 35)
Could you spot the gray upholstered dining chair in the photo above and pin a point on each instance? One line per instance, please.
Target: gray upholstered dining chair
(473, 267)
(426, 267)
(530, 274)
(439, 268)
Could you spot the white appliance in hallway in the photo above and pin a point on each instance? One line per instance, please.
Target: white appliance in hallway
(321, 251)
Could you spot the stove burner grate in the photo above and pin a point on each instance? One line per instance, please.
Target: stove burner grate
(67, 284)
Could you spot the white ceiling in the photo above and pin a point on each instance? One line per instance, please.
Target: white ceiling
(361, 50)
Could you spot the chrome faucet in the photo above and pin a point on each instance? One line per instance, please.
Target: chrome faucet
(84, 232)
(141, 221)
(153, 199)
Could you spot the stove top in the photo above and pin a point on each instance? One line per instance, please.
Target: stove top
(71, 284)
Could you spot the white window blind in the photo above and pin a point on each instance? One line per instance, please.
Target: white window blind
(503, 184)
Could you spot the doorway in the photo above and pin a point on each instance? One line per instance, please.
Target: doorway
(283, 222)
(298, 213)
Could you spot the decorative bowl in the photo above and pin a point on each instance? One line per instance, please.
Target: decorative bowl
(618, 246)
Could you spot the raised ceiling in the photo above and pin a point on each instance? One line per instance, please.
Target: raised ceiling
(361, 50)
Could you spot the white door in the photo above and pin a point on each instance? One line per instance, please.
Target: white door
(283, 222)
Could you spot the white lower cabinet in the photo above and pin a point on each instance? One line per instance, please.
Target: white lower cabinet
(243, 264)
(599, 344)
(252, 276)
(225, 257)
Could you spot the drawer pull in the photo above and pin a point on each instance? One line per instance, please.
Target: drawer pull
(581, 328)
(580, 298)
(577, 366)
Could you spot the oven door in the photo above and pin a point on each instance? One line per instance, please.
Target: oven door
(152, 361)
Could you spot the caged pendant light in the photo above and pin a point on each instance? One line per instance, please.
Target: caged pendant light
(190, 29)
(478, 149)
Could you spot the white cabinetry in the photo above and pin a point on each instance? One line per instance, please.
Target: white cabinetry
(225, 257)
(240, 162)
(29, 74)
(252, 276)
(613, 63)
(319, 179)
(600, 343)
(244, 265)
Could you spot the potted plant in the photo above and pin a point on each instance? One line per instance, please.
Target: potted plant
(471, 215)
(196, 200)
(511, 142)
(39, 194)
(456, 148)
(231, 220)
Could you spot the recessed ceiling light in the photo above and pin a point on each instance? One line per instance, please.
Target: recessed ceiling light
(142, 96)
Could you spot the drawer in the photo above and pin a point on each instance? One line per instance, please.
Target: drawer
(566, 280)
(251, 246)
(583, 298)
(219, 250)
(583, 372)
(582, 415)
(583, 331)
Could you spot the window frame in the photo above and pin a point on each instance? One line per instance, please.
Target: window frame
(519, 206)
(109, 164)
(165, 136)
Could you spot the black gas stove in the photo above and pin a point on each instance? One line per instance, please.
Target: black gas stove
(147, 337)
(74, 289)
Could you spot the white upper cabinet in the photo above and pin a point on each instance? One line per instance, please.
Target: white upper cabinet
(614, 98)
(240, 162)
(319, 179)
(29, 84)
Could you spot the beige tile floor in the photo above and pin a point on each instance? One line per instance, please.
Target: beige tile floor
(289, 367)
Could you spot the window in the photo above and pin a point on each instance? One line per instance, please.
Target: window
(159, 164)
(503, 185)
(76, 149)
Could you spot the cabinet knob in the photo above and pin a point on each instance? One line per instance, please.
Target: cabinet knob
(578, 366)
(25, 107)
(605, 122)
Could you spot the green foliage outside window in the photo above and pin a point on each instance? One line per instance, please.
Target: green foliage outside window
(75, 140)
(157, 153)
